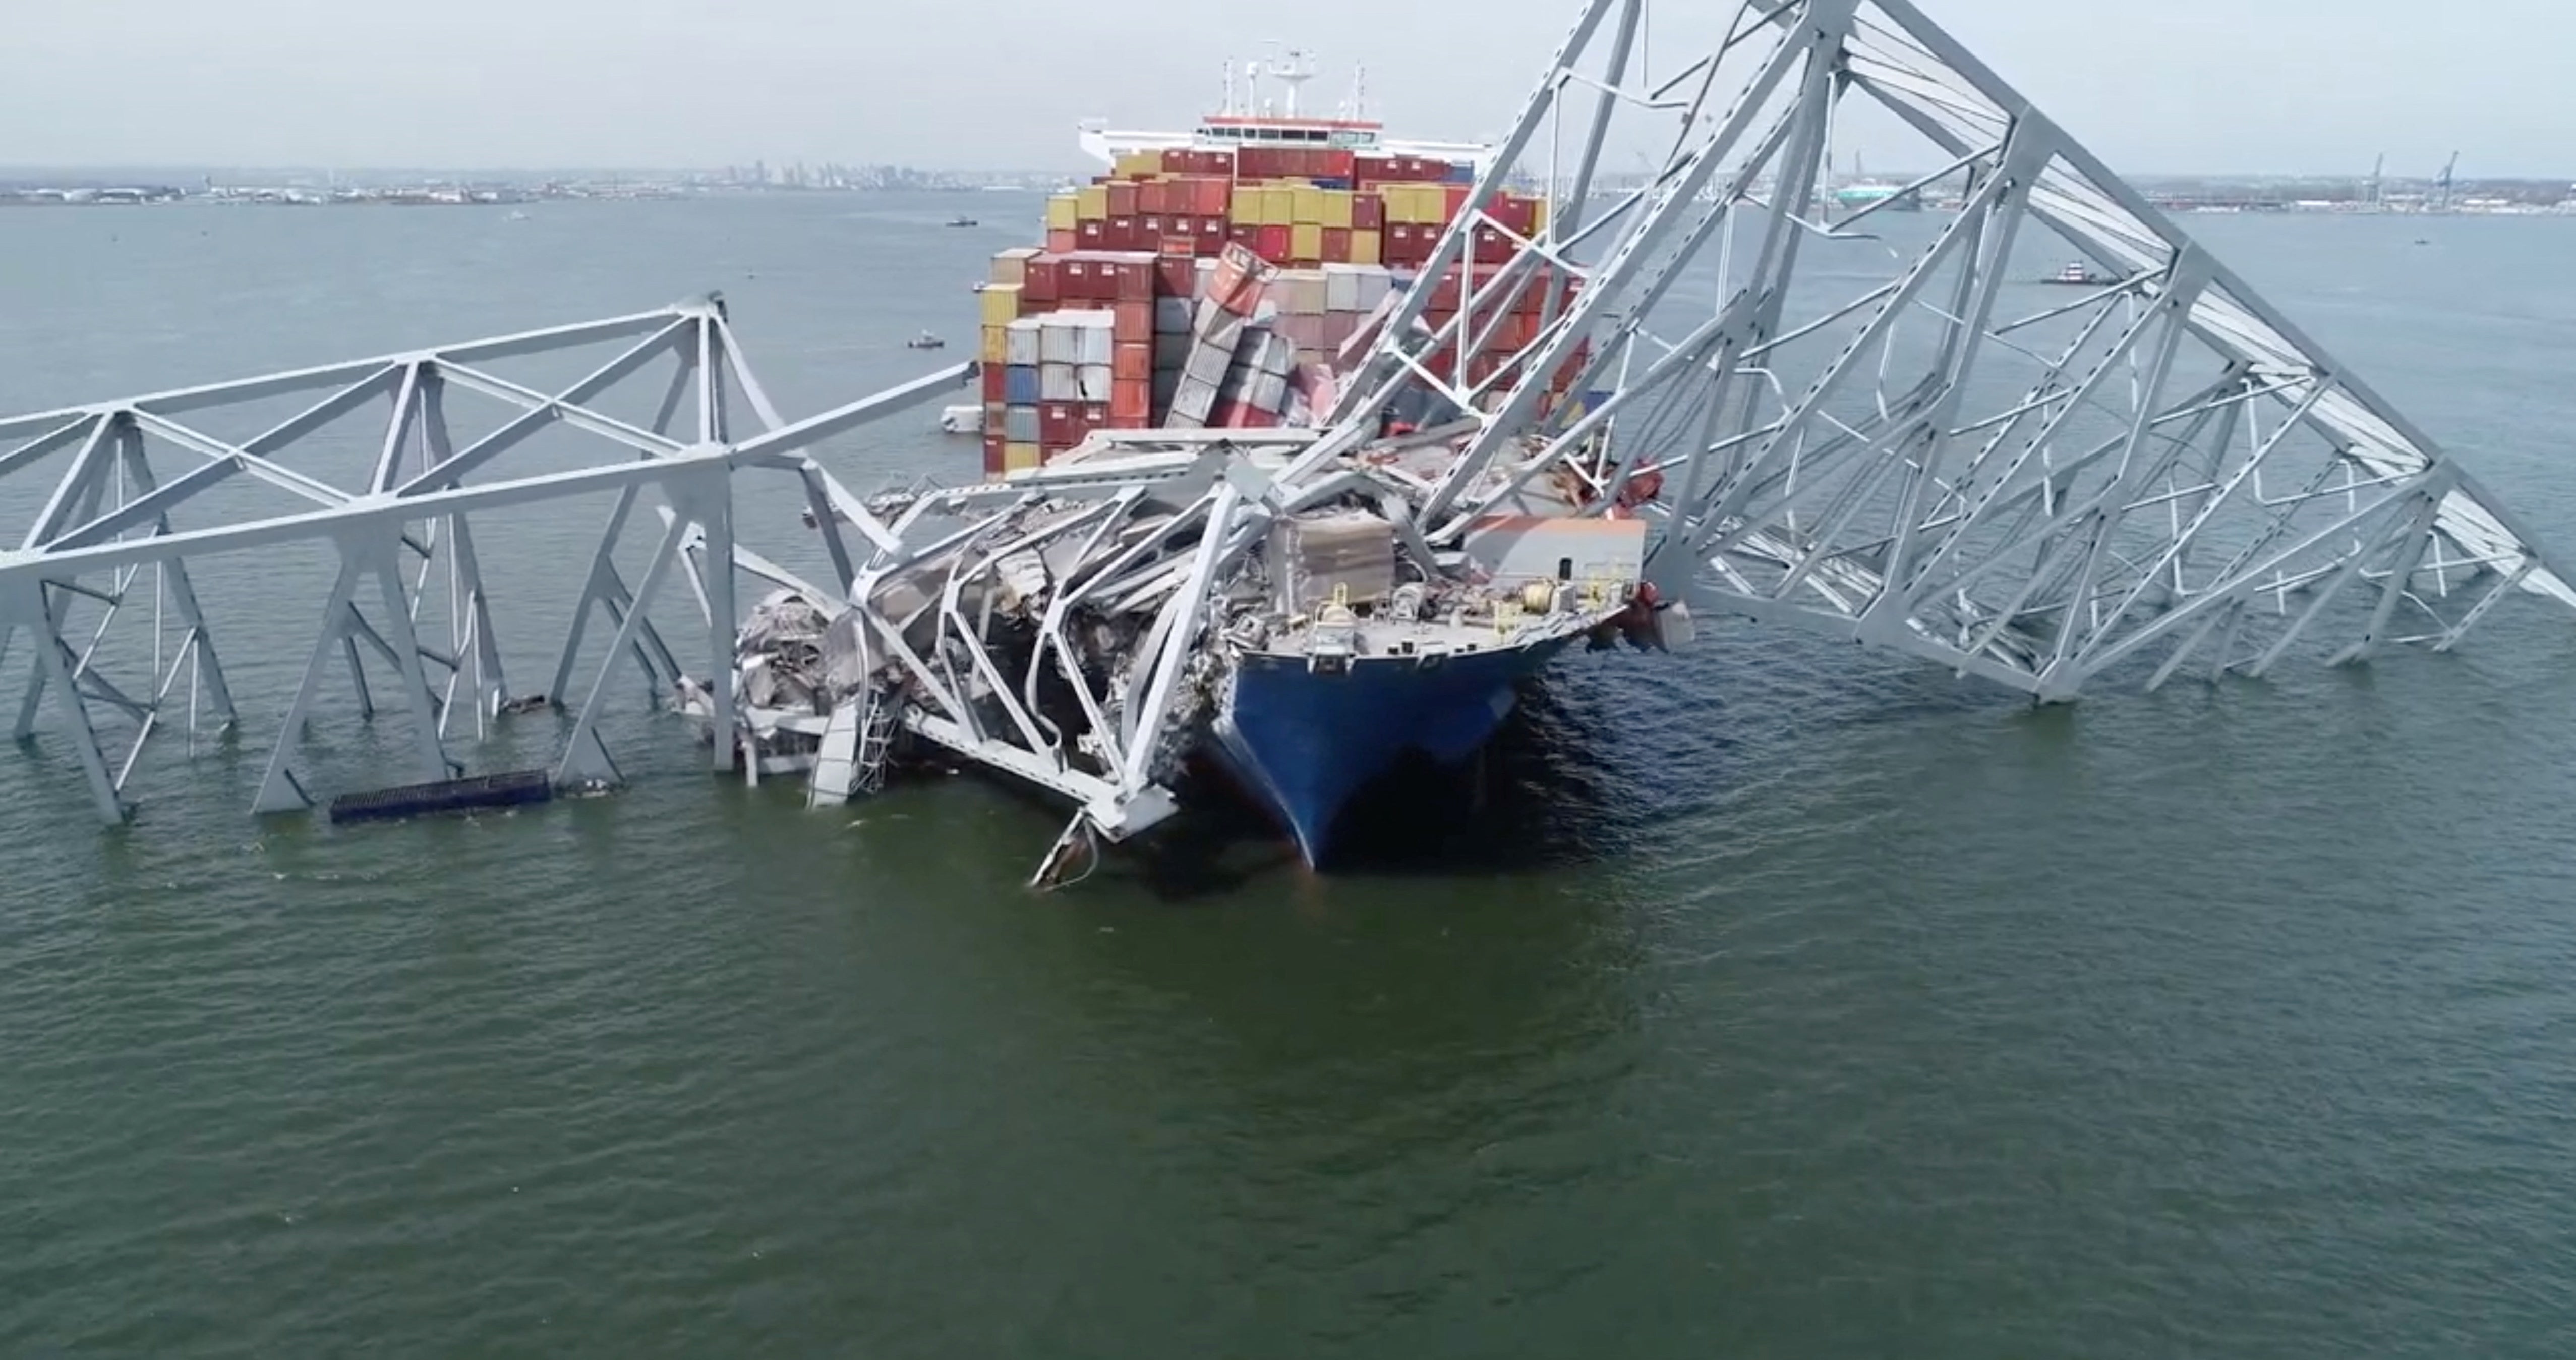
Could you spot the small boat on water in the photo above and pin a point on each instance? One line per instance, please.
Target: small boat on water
(925, 340)
(963, 222)
(2078, 273)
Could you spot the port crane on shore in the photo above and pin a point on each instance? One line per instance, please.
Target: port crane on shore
(1883, 436)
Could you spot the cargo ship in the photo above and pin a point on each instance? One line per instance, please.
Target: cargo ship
(1229, 278)
(1099, 326)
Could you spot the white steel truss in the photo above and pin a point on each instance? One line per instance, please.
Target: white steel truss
(100, 584)
(2149, 470)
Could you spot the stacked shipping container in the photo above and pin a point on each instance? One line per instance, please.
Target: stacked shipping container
(1141, 309)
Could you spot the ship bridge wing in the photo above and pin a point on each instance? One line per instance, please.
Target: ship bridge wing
(1877, 419)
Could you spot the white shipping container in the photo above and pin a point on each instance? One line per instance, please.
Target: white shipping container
(1341, 288)
(1056, 382)
(1172, 316)
(1301, 292)
(1058, 343)
(1020, 344)
(1095, 381)
(1267, 392)
(1215, 324)
(1020, 424)
(1191, 402)
(1374, 286)
(1278, 356)
(1207, 363)
(1099, 338)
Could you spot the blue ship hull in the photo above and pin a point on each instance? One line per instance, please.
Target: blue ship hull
(1302, 743)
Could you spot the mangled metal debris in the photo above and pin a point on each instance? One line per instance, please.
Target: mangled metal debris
(1091, 626)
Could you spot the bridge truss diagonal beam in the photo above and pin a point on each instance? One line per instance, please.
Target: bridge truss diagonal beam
(1881, 422)
(104, 596)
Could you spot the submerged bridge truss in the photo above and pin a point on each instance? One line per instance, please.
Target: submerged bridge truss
(101, 588)
(1838, 412)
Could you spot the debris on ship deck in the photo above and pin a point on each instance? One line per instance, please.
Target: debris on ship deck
(1153, 595)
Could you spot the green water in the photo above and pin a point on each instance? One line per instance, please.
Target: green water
(1788, 1002)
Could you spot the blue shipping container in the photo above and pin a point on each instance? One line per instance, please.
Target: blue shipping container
(1461, 174)
(1020, 385)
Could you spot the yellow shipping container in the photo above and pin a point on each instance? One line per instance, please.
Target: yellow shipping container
(1017, 457)
(1306, 241)
(1064, 211)
(1278, 206)
(1139, 163)
(1012, 266)
(1368, 247)
(1337, 209)
(1430, 205)
(1001, 303)
(1306, 206)
(1403, 203)
(1538, 219)
(996, 348)
(1092, 203)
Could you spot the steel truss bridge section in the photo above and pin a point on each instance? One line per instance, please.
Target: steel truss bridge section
(1882, 424)
(100, 586)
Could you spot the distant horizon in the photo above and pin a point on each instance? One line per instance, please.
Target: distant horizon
(203, 170)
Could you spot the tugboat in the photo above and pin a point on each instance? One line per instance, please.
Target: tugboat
(2081, 275)
(925, 340)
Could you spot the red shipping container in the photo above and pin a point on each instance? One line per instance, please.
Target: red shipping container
(1132, 280)
(1134, 322)
(1043, 280)
(996, 388)
(1175, 276)
(1122, 234)
(993, 454)
(1245, 235)
(1059, 424)
(1368, 213)
(1092, 415)
(1272, 243)
(1063, 240)
(1338, 162)
(1493, 247)
(1133, 360)
(1214, 232)
(1149, 231)
(1211, 197)
(1092, 235)
(1075, 283)
(1131, 404)
(1122, 199)
(1444, 294)
(1337, 245)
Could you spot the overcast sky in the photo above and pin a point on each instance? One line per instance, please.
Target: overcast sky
(2153, 85)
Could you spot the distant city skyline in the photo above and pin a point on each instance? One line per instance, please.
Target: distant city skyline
(2183, 86)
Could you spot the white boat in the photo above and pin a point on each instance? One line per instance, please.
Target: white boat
(962, 419)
